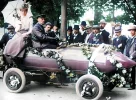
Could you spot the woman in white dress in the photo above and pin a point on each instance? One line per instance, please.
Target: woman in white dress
(23, 29)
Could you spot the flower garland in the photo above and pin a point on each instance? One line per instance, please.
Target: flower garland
(58, 57)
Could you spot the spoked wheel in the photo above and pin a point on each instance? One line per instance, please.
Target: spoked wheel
(89, 87)
(14, 80)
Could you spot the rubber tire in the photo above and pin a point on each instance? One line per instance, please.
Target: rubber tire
(21, 74)
(93, 78)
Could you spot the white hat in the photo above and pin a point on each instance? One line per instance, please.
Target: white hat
(132, 27)
(102, 21)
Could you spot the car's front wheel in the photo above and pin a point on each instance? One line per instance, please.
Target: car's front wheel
(89, 87)
(14, 80)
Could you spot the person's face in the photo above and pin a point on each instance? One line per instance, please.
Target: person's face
(10, 30)
(47, 28)
(41, 20)
(82, 27)
(102, 25)
(23, 12)
(132, 32)
(96, 31)
(118, 33)
(55, 28)
(88, 31)
(69, 32)
(76, 31)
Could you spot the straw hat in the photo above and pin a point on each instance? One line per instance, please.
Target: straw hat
(132, 27)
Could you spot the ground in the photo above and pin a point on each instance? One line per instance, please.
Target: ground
(40, 92)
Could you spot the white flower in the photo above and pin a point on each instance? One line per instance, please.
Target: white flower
(112, 60)
(124, 82)
(67, 71)
(129, 75)
(63, 67)
(91, 64)
(56, 55)
(122, 79)
(121, 85)
(124, 71)
(119, 65)
(120, 45)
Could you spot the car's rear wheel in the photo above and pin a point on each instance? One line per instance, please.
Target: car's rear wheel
(14, 80)
(89, 87)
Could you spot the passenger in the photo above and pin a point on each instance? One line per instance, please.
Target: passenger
(40, 39)
(23, 28)
(7, 36)
(50, 33)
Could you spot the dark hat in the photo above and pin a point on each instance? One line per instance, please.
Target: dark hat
(76, 27)
(117, 29)
(83, 23)
(41, 16)
(10, 27)
(70, 28)
(96, 27)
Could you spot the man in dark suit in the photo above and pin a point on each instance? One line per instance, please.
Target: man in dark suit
(83, 31)
(97, 38)
(120, 40)
(40, 39)
(77, 37)
(130, 51)
(89, 36)
(104, 33)
(70, 35)
(7, 36)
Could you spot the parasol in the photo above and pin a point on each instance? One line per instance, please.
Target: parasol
(11, 12)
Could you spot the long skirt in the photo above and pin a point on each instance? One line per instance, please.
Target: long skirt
(15, 45)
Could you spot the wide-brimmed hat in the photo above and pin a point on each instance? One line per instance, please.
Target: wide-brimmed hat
(40, 16)
(88, 27)
(76, 27)
(132, 27)
(96, 27)
(10, 27)
(117, 29)
(83, 23)
(70, 28)
(102, 21)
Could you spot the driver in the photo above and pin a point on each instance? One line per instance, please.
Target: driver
(40, 39)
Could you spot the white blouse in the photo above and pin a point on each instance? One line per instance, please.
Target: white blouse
(26, 23)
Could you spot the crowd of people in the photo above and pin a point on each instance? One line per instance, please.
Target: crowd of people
(45, 35)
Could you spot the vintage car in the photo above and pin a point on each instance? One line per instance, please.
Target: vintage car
(94, 68)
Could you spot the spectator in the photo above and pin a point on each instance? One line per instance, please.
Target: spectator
(77, 37)
(83, 32)
(69, 35)
(104, 33)
(7, 36)
(130, 51)
(97, 39)
(90, 35)
(120, 40)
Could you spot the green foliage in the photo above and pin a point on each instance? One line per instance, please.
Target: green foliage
(52, 8)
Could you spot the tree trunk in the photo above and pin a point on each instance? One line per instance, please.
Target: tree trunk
(63, 19)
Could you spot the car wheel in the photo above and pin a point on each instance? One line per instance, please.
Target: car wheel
(89, 87)
(14, 80)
